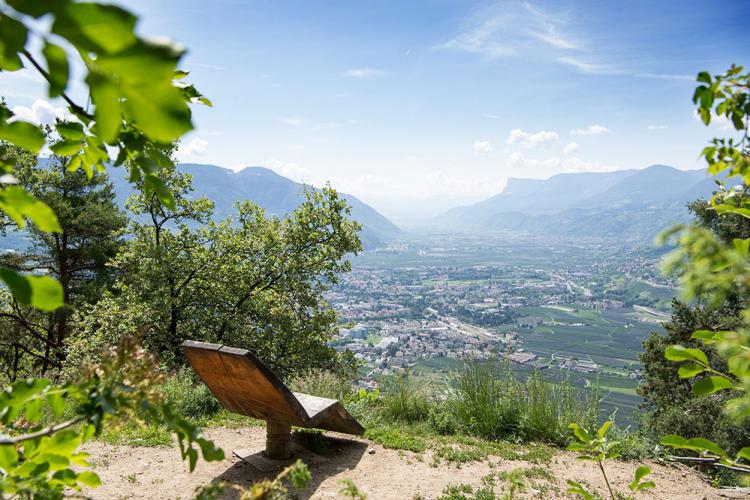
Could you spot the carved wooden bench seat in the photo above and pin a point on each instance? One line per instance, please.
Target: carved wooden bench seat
(244, 385)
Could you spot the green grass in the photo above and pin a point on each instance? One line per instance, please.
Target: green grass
(397, 439)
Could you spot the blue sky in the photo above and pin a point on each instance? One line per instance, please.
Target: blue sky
(418, 106)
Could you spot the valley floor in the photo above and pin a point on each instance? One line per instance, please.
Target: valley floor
(157, 472)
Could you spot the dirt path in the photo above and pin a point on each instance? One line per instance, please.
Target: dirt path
(381, 473)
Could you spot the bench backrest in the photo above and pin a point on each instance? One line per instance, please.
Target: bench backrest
(243, 384)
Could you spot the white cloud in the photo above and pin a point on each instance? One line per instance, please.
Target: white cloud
(554, 165)
(482, 147)
(289, 169)
(572, 148)
(293, 120)
(657, 127)
(529, 140)
(364, 72)
(590, 130)
(40, 112)
(196, 147)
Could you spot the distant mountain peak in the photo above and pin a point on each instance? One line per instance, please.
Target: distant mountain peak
(637, 202)
(277, 194)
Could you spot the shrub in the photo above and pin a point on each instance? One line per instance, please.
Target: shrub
(403, 399)
(490, 402)
(324, 384)
(189, 397)
(442, 418)
(487, 402)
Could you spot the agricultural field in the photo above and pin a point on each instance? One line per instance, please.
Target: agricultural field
(580, 309)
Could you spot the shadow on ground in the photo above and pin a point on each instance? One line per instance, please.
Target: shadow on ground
(324, 455)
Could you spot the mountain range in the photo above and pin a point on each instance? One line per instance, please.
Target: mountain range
(278, 195)
(627, 203)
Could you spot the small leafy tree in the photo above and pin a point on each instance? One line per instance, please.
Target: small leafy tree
(716, 269)
(249, 281)
(599, 448)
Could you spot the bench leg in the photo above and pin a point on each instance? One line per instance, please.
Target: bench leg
(278, 440)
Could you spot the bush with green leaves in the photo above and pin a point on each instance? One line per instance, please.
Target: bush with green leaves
(188, 396)
(37, 458)
(716, 270)
(599, 448)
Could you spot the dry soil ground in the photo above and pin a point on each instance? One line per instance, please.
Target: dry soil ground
(158, 473)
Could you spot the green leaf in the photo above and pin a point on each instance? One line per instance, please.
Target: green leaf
(23, 134)
(744, 453)
(673, 440)
(63, 443)
(604, 428)
(704, 77)
(72, 131)
(640, 473)
(8, 457)
(106, 100)
(159, 111)
(578, 489)
(34, 8)
(66, 148)
(46, 293)
(681, 353)
(96, 27)
(646, 485)
(56, 403)
(57, 68)
(690, 370)
(705, 335)
(695, 444)
(90, 479)
(42, 292)
(13, 36)
(709, 385)
(19, 205)
(154, 184)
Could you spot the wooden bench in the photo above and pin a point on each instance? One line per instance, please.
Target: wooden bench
(244, 385)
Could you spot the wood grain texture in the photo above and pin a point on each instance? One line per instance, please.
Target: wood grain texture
(243, 384)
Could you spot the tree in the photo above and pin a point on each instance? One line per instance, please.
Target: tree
(715, 269)
(249, 281)
(91, 229)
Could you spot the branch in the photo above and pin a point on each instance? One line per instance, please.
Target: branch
(47, 431)
(78, 109)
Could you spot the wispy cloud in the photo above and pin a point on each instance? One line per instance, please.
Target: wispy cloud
(508, 29)
(364, 72)
(666, 76)
(333, 125)
(595, 129)
(585, 66)
(294, 121)
(657, 127)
